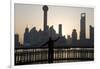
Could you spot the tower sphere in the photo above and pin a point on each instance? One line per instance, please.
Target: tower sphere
(45, 8)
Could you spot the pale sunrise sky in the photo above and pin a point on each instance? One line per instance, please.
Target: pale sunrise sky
(69, 17)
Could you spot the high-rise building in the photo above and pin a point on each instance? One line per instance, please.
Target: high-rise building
(17, 43)
(92, 35)
(74, 38)
(82, 26)
(60, 29)
(26, 37)
(69, 40)
(45, 9)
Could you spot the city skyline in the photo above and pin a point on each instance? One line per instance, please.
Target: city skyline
(54, 18)
(48, 46)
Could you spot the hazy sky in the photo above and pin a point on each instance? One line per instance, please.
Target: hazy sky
(69, 17)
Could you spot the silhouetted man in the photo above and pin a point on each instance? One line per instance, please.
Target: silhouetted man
(50, 43)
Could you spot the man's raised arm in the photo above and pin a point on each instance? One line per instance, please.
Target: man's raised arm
(44, 44)
(56, 39)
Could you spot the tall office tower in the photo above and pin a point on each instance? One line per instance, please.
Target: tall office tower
(60, 29)
(82, 26)
(26, 37)
(92, 35)
(17, 43)
(69, 41)
(74, 38)
(45, 9)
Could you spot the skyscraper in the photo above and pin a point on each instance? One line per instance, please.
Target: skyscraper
(17, 43)
(69, 40)
(60, 29)
(45, 9)
(92, 35)
(82, 26)
(26, 37)
(74, 38)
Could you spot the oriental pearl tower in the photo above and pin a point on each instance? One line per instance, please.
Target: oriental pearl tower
(45, 9)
